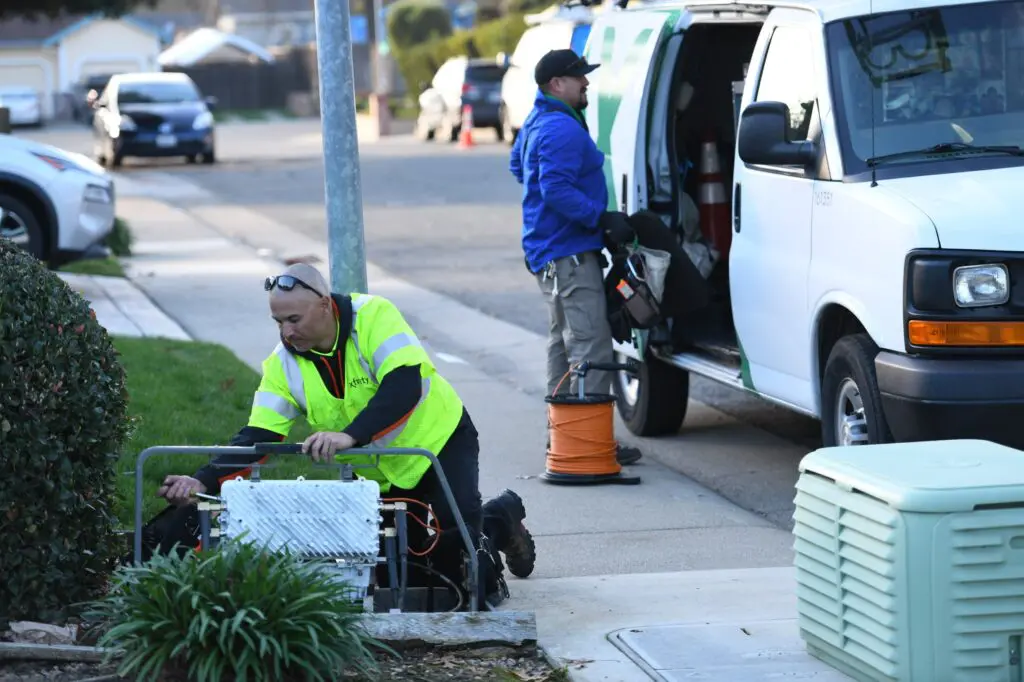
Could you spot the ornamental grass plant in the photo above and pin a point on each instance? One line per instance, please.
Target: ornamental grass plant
(235, 612)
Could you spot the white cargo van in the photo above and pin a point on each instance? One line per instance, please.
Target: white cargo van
(872, 164)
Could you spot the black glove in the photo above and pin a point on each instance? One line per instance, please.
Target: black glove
(615, 227)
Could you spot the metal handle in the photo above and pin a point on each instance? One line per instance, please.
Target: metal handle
(631, 366)
(293, 449)
(278, 448)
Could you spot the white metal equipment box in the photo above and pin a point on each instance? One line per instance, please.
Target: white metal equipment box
(333, 521)
(910, 560)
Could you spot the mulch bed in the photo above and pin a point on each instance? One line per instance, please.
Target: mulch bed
(497, 664)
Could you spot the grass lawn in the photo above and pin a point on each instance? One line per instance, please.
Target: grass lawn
(188, 393)
(110, 267)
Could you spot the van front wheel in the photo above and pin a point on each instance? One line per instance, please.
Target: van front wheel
(652, 402)
(851, 404)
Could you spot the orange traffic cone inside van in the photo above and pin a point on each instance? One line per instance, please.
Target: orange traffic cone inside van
(715, 214)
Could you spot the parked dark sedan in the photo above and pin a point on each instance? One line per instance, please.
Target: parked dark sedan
(153, 115)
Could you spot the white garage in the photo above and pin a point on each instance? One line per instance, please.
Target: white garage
(52, 56)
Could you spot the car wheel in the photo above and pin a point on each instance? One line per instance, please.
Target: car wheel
(652, 402)
(424, 133)
(99, 154)
(209, 157)
(192, 158)
(20, 225)
(508, 133)
(851, 404)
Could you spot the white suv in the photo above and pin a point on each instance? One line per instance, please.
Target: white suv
(57, 205)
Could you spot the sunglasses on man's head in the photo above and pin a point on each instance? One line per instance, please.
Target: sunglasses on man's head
(287, 283)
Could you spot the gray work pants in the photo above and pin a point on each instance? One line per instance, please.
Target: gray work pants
(574, 289)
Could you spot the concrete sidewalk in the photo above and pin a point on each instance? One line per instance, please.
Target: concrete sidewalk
(615, 564)
(122, 308)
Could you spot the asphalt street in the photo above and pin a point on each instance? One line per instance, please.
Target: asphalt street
(448, 219)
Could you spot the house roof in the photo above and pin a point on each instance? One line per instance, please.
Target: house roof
(260, 6)
(228, 7)
(204, 41)
(49, 32)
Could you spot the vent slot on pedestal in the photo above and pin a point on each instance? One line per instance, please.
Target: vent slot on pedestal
(846, 562)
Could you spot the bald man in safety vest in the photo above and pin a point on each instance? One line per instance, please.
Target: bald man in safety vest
(355, 370)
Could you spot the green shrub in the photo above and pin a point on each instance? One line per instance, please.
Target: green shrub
(63, 422)
(412, 22)
(120, 240)
(235, 612)
(418, 64)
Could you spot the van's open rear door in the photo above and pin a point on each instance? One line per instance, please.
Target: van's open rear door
(625, 44)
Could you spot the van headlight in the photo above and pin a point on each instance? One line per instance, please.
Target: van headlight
(203, 121)
(981, 285)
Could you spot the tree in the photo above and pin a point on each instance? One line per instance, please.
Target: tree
(412, 22)
(43, 9)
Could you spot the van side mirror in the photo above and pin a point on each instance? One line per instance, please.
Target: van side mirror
(764, 137)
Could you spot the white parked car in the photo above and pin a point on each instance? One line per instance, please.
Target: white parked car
(57, 205)
(24, 105)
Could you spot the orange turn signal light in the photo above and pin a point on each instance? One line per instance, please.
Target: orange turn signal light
(924, 333)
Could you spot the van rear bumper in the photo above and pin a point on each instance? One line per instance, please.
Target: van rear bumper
(942, 399)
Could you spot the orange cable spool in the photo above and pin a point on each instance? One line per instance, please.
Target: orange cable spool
(583, 448)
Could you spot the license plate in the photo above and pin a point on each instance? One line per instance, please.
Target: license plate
(166, 140)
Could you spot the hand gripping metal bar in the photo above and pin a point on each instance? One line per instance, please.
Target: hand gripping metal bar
(296, 449)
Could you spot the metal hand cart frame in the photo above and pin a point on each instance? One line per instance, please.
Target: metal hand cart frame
(346, 474)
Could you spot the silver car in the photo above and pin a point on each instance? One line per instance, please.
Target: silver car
(57, 205)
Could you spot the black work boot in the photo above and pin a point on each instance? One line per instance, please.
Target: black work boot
(519, 550)
(627, 455)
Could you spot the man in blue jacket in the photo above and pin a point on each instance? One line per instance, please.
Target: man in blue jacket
(566, 223)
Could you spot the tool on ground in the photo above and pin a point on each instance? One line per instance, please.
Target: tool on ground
(715, 213)
(583, 448)
(466, 132)
(336, 523)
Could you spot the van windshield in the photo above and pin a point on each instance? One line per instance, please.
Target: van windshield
(946, 78)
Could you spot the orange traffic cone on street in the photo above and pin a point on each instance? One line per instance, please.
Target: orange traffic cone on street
(715, 214)
(466, 134)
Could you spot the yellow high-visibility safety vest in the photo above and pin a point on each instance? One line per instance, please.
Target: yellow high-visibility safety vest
(380, 341)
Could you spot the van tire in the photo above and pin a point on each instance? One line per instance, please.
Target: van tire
(850, 378)
(661, 397)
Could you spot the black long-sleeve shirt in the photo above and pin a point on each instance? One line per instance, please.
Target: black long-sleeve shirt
(396, 397)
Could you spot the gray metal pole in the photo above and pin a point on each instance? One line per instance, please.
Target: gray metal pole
(342, 183)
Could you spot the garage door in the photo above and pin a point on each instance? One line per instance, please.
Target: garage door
(26, 74)
(104, 68)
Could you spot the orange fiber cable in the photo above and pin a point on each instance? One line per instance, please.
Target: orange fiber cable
(435, 526)
(582, 435)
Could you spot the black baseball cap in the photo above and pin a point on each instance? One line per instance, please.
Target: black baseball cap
(561, 63)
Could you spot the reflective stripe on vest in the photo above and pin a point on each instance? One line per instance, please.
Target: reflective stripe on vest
(293, 375)
(272, 401)
(356, 305)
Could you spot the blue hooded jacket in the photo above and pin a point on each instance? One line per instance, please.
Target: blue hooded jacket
(562, 174)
